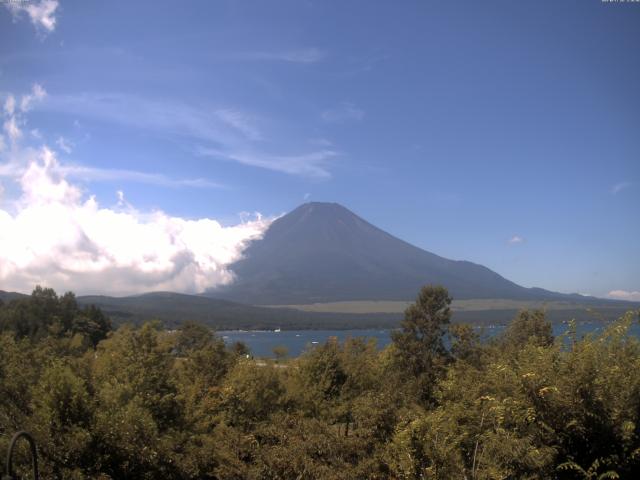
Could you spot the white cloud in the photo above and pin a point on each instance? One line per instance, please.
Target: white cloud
(121, 201)
(17, 163)
(112, 174)
(618, 187)
(241, 122)
(11, 168)
(10, 105)
(11, 128)
(345, 112)
(64, 144)
(42, 14)
(37, 94)
(56, 236)
(516, 239)
(167, 118)
(624, 295)
(321, 142)
(227, 133)
(13, 116)
(313, 164)
(307, 55)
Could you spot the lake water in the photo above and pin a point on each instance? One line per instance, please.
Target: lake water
(262, 343)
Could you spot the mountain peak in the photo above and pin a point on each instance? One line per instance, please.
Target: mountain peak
(321, 208)
(323, 252)
(314, 218)
(309, 205)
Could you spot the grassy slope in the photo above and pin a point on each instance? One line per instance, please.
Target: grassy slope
(173, 309)
(477, 305)
(488, 311)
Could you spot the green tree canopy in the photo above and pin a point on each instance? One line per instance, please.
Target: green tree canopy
(420, 349)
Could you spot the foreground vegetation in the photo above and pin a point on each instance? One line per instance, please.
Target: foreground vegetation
(144, 402)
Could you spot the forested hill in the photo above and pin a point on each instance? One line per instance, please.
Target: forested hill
(173, 309)
(323, 252)
(8, 296)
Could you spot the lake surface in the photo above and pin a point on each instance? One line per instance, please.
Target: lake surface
(262, 343)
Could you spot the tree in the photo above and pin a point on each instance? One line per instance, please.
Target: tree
(419, 346)
(62, 417)
(281, 352)
(529, 326)
(251, 394)
(91, 323)
(137, 405)
(240, 349)
(44, 314)
(465, 344)
(192, 336)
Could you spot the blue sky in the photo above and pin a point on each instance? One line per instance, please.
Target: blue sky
(505, 133)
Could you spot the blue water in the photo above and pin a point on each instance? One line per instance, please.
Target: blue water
(261, 343)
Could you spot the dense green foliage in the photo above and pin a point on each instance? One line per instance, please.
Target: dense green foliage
(144, 402)
(44, 314)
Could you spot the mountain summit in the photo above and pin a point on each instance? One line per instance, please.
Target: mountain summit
(323, 252)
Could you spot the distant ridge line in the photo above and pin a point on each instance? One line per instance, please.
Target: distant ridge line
(322, 252)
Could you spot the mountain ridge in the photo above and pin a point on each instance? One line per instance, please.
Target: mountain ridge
(323, 252)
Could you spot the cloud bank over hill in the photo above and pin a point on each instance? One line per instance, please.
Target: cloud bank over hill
(55, 234)
(625, 295)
